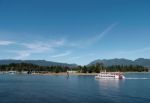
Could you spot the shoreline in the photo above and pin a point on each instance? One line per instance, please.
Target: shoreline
(82, 74)
(65, 73)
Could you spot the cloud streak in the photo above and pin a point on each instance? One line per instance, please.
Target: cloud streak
(105, 32)
(43, 46)
(5, 42)
(94, 39)
(61, 54)
(37, 47)
(22, 54)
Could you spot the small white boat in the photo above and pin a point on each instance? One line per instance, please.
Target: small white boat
(12, 72)
(110, 75)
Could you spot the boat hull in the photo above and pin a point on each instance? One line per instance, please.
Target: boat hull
(97, 77)
(107, 75)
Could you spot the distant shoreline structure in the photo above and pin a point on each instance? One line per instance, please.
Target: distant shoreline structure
(60, 74)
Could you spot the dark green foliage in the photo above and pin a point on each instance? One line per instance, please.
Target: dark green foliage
(121, 68)
(82, 69)
(129, 68)
(32, 67)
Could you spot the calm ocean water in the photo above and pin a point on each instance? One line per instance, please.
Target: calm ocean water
(75, 89)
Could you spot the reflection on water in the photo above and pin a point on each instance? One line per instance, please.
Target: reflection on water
(137, 78)
(108, 83)
(108, 87)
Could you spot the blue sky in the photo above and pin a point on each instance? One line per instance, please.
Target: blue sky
(74, 31)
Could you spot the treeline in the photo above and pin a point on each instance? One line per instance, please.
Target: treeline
(32, 68)
(114, 68)
(82, 69)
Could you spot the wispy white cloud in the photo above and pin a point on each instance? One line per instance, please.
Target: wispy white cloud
(40, 46)
(61, 54)
(22, 54)
(5, 42)
(37, 47)
(102, 34)
(94, 39)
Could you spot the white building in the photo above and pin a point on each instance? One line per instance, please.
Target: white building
(71, 71)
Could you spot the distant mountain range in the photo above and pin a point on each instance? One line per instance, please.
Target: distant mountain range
(106, 62)
(109, 62)
(37, 62)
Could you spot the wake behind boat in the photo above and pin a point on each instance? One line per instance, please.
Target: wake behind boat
(110, 75)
